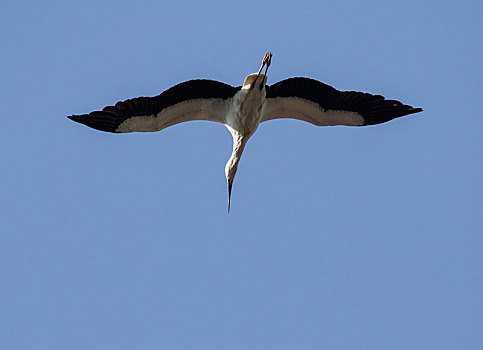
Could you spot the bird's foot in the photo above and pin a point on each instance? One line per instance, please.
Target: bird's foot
(267, 59)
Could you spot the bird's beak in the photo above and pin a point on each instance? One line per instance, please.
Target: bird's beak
(230, 183)
(267, 59)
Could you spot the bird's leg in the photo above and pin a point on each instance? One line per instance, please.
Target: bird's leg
(266, 61)
(251, 87)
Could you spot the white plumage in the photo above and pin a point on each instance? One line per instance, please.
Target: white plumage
(242, 109)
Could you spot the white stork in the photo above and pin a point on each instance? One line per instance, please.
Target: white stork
(241, 109)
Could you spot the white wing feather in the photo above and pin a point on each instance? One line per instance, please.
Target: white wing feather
(308, 111)
(213, 109)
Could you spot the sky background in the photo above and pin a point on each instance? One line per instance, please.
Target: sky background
(338, 237)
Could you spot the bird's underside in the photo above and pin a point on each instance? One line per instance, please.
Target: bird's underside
(242, 108)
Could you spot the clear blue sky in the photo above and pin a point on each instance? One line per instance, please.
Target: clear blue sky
(339, 238)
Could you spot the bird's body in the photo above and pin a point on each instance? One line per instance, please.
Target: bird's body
(242, 109)
(242, 120)
(246, 110)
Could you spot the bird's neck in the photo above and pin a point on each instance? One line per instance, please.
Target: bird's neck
(239, 146)
(239, 142)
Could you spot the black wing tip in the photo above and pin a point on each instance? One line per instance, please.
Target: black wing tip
(411, 110)
(90, 120)
(385, 115)
(76, 118)
(81, 119)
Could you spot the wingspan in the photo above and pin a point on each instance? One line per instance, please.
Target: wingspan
(190, 100)
(320, 104)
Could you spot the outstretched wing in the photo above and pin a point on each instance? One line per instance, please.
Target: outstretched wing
(320, 104)
(190, 100)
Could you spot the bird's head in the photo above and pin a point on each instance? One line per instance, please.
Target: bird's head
(258, 79)
(230, 172)
(239, 142)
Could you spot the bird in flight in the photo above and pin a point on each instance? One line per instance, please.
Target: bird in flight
(241, 109)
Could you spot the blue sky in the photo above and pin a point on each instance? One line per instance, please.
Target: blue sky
(338, 238)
